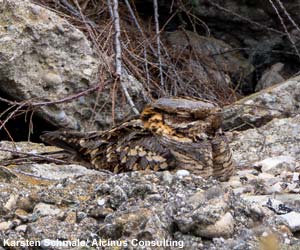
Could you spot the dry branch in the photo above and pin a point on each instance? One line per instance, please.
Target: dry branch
(155, 6)
(114, 11)
(50, 159)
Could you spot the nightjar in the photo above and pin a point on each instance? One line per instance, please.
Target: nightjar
(170, 134)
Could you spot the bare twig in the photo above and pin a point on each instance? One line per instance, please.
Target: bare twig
(8, 134)
(246, 19)
(11, 115)
(113, 8)
(146, 67)
(288, 15)
(157, 31)
(285, 28)
(33, 155)
(32, 105)
(68, 98)
(139, 27)
(70, 8)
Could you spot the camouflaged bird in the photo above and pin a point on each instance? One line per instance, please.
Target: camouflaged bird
(171, 133)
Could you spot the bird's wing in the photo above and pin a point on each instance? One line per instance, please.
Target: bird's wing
(126, 147)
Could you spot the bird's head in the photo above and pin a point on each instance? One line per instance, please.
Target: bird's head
(182, 117)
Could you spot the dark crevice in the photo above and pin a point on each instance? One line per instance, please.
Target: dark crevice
(18, 127)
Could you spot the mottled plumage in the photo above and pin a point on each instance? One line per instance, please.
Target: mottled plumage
(171, 133)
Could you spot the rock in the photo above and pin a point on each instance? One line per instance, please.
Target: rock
(11, 203)
(5, 225)
(21, 214)
(296, 177)
(280, 137)
(269, 241)
(268, 178)
(265, 42)
(71, 217)
(55, 172)
(45, 58)
(43, 209)
(167, 177)
(263, 199)
(276, 188)
(202, 214)
(279, 101)
(219, 69)
(270, 77)
(205, 213)
(293, 220)
(222, 228)
(6, 174)
(101, 202)
(26, 204)
(276, 165)
(21, 228)
(293, 188)
(42, 63)
(278, 206)
(182, 173)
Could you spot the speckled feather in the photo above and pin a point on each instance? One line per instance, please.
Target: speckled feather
(171, 133)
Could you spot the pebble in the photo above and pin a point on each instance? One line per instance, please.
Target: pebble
(268, 179)
(44, 209)
(293, 187)
(276, 165)
(52, 78)
(88, 72)
(76, 36)
(296, 177)
(224, 227)
(182, 173)
(71, 217)
(235, 184)
(21, 214)
(12, 201)
(5, 225)
(35, 10)
(167, 177)
(276, 188)
(101, 202)
(293, 220)
(21, 228)
(25, 203)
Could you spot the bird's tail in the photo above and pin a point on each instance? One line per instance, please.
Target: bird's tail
(70, 141)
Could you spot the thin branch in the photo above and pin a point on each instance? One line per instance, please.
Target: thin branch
(245, 18)
(33, 155)
(113, 8)
(285, 28)
(157, 31)
(288, 15)
(68, 98)
(147, 68)
(71, 9)
(30, 104)
(11, 115)
(8, 134)
(118, 50)
(139, 27)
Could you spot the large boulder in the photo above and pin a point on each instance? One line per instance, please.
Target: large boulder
(45, 58)
(278, 101)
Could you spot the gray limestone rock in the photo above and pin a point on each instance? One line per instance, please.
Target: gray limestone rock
(278, 101)
(44, 58)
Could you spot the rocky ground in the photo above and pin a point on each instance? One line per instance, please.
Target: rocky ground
(258, 208)
(59, 206)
